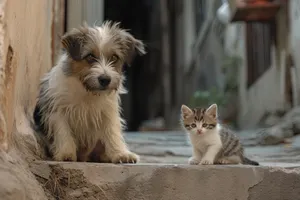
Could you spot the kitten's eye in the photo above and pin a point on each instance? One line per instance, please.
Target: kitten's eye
(114, 58)
(193, 125)
(204, 125)
(90, 58)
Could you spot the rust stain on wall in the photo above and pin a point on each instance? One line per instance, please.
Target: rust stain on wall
(8, 65)
(6, 76)
(9, 84)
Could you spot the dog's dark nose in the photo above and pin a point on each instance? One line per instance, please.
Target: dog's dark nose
(104, 80)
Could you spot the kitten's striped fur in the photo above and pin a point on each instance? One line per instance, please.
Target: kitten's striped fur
(212, 143)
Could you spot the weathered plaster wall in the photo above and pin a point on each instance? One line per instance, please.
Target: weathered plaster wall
(25, 54)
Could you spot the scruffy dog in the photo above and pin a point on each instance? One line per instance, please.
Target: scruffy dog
(78, 108)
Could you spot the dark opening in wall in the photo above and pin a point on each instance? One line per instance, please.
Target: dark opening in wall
(133, 15)
(260, 38)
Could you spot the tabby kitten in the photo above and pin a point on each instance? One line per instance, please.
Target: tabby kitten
(212, 143)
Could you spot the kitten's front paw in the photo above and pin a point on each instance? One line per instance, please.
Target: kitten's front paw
(193, 161)
(126, 157)
(206, 162)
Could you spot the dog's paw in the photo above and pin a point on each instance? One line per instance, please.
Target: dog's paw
(223, 161)
(206, 162)
(67, 153)
(65, 157)
(193, 161)
(126, 157)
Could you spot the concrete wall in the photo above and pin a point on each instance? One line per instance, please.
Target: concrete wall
(268, 92)
(294, 16)
(78, 11)
(189, 33)
(262, 96)
(25, 54)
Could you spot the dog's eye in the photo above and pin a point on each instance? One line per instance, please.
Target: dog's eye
(114, 58)
(90, 58)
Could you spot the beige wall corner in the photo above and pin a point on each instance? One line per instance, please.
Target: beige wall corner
(3, 52)
(25, 54)
(78, 11)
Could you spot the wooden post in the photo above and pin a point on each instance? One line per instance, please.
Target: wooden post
(166, 76)
(58, 27)
(179, 75)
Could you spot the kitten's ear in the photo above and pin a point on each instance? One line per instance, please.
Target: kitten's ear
(212, 110)
(185, 111)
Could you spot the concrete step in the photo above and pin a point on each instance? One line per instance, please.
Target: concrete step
(166, 182)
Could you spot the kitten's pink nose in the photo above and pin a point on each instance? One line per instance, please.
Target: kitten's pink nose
(199, 131)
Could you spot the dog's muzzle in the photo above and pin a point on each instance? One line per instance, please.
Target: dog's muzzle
(104, 81)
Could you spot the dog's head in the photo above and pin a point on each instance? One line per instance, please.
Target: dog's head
(97, 55)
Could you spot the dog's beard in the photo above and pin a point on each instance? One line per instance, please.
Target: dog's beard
(94, 88)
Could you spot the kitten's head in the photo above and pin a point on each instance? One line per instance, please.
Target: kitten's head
(199, 120)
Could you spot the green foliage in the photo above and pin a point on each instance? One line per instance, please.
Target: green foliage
(206, 98)
(230, 69)
(215, 95)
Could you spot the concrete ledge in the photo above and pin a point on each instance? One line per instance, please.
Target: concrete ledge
(167, 182)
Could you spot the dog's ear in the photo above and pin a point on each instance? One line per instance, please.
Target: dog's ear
(73, 42)
(135, 46)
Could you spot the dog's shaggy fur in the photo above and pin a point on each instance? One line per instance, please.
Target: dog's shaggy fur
(78, 108)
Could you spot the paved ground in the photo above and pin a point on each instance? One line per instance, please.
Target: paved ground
(174, 148)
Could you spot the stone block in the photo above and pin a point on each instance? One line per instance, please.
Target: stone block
(169, 182)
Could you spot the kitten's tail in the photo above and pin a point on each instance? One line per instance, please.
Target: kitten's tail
(247, 161)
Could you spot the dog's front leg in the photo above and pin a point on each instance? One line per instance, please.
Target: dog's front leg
(63, 147)
(116, 149)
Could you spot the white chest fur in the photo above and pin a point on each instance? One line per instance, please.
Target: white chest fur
(85, 113)
(201, 142)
